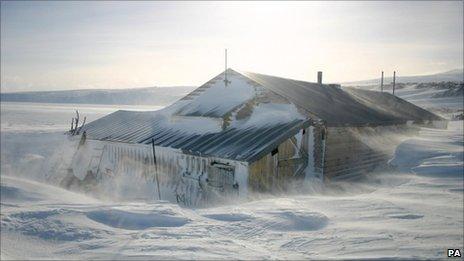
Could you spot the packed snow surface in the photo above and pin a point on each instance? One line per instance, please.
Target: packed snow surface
(415, 212)
(46, 117)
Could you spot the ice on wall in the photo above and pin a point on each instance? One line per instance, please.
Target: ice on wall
(127, 171)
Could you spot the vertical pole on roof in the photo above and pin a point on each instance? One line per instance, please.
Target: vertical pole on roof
(225, 71)
(381, 83)
(225, 65)
(394, 78)
(156, 172)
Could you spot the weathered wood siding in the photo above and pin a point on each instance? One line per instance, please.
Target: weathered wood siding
(319, 134)
(276, 172)
(351, 151)
(266, 175)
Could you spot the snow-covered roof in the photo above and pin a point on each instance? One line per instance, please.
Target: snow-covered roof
(243, 142)
(250, 114)
(344, 106)
(239, 120)
(215, 98)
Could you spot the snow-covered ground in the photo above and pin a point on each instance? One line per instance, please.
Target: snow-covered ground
(425, 99)
(428, 97)
(135, 96)
(46, 117)
(415, 212)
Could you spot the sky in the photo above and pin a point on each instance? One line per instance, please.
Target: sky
(61, 45)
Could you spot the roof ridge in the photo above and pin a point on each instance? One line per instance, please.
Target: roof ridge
(283, 78)
(313, 116)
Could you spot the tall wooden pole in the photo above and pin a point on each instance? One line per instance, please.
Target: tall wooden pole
(394, 78)
(381, 83)
(156, 172)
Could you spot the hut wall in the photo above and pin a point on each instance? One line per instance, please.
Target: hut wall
(436, 124)
(128, 170)
(318, 133)
(294, 159)
(350, 151)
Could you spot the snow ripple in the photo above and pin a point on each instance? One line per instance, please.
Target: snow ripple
(229, 217)
(48, 224)
(297, 221)
(135, 221)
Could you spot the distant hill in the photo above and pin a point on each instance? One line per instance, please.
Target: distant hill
(456, 75)
(136, 96)
(441, 93)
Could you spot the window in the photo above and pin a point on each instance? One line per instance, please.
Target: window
(275, 151)
(221, 175)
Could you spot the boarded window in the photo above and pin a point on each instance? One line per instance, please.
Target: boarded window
(221, 176)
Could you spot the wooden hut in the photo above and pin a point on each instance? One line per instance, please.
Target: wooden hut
(242, 132)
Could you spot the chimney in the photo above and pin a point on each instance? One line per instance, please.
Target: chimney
(319, 77)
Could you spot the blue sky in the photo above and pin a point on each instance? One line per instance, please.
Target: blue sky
(73, 45)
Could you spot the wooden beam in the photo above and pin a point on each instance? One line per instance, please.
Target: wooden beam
(291, 162)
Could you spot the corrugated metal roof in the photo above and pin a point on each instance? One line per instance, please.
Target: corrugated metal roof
(216, 99)
(262, 125)
(391, 104)
(340, 107)
(243, 144)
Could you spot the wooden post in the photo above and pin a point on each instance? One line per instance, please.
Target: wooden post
(74, 126)
(381, 83)
(83, 123)
(323, 141)
(319, 77)
(394, 78)
(77, 123)
(156, 172)
(77, 118)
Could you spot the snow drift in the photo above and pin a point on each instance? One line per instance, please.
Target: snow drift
(415, 212)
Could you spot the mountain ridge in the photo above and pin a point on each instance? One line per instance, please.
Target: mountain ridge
(133, 96)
